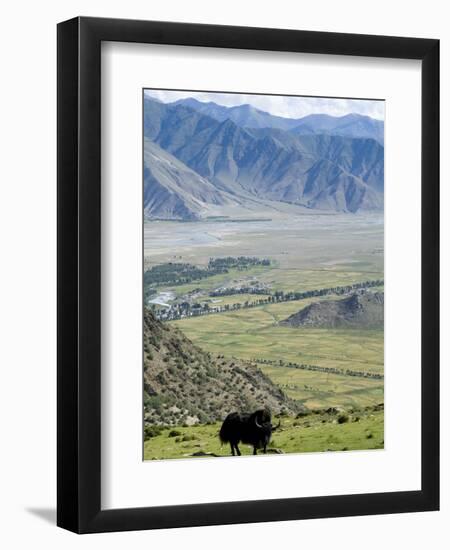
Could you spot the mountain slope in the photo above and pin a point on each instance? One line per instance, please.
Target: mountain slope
(174, 191)
(325, 172)
(360, 311)
(184, 384)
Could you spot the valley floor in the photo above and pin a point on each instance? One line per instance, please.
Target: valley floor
(306, 253)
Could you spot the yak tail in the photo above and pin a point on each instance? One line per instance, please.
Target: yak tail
(229, 428)
(223, 436)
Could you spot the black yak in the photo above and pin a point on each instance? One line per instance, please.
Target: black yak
(253, 429)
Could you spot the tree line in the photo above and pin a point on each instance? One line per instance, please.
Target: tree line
(185, 309)
(177, 273)
(328, 370)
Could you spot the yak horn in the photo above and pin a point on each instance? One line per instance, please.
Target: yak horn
(276, 427)
(256, 422)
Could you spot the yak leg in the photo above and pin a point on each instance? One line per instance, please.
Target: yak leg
(237, 449)
(254, 450)
(265, 448)
(232, 448)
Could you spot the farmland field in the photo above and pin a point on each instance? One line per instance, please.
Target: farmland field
(253, 334)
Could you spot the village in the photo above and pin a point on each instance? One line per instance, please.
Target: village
(199, 302)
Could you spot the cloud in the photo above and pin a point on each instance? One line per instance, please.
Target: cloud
(286, 106)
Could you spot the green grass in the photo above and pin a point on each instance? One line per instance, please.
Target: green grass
(313, 433)
(288, 279)
(319, 390)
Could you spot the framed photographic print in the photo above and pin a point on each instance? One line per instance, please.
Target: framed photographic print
(248, 255)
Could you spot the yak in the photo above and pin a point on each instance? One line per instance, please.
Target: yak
(253, 429)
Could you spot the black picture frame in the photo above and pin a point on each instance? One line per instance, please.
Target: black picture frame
(79, 280)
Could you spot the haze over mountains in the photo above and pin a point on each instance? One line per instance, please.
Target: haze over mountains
(247, 116)
(204, 159)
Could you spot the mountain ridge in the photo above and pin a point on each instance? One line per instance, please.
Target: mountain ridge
(245, 115)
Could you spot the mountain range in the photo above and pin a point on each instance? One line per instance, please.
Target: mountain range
(203, 159)
(247, 116)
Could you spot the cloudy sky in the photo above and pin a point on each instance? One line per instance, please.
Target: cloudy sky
(286, 106)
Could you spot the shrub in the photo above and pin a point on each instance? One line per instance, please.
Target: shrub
(151, 431)
(174, 433)
(187, 437)
(342, 418)
(155, 402)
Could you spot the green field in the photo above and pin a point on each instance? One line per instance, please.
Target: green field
(288, 279)
(317, 390)
(254, 334)
(312, 433)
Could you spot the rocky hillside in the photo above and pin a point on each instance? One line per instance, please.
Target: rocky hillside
(185, 385)
(364, 310)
